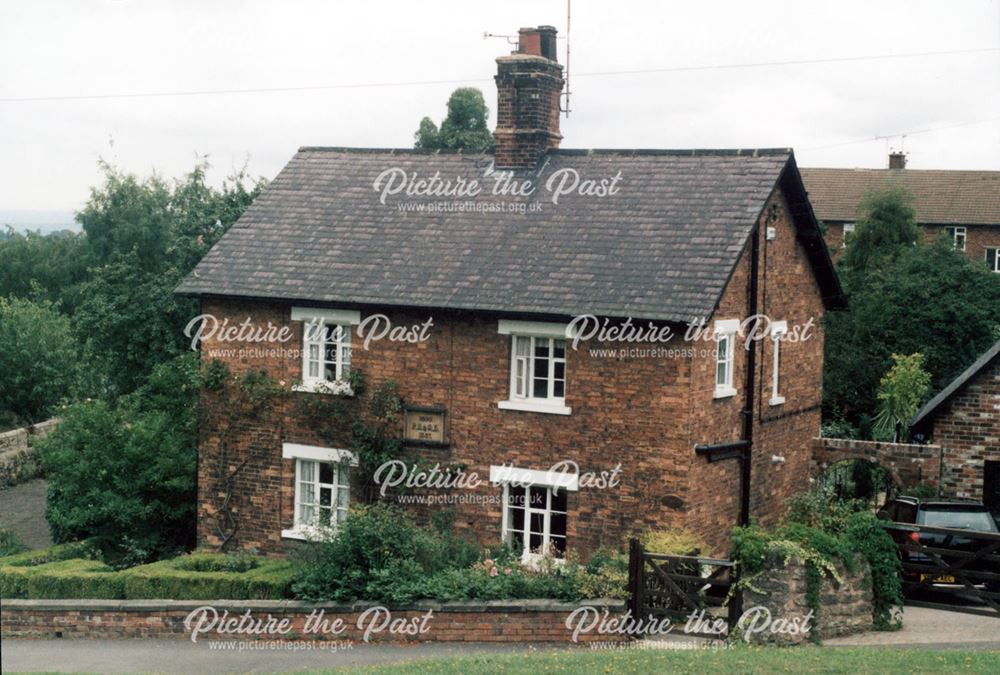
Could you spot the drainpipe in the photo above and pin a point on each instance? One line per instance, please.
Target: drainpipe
(749, 388)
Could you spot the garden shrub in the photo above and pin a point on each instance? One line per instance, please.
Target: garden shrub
(822, 531)
(203, 576)
(10, 543)
(64, 572)
(673, 542)
(124, 476)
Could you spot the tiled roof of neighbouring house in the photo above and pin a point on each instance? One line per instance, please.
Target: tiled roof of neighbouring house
(663, 247)
(939, 197)
(929, 408)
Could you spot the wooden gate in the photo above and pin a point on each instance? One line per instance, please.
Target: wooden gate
(962, 566)
(677, 586)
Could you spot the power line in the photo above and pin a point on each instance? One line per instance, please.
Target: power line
(914, 132)
(419, 83)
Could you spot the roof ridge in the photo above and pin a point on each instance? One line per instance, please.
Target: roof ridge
(629, 152)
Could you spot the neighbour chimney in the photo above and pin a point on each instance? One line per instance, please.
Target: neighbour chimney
(529, 84)
(897, 160)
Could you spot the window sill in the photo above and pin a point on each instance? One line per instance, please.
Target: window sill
(338, 388)
(295, 534)
(777, 400)
(308, 533)
(532, 406)
(726, 392)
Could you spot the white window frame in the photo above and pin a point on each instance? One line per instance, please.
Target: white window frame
(996, 258)
(956, 233)
(309, 453)
(848, 229)
(778, 330)
(314, 324)
(513, 479)
(521, 397)
(725, 332)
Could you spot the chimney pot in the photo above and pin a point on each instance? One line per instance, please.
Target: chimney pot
(897, 160)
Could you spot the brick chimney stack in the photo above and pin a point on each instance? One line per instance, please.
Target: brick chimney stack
(897, 160)
(529, 84)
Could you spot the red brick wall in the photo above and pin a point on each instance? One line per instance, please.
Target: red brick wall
(910, 464)
(967, 427)
(646, 413)
(787, 291)
(978, 238)
(483, 624)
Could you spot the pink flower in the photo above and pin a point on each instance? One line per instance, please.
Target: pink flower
(507, 571)
(494, 572)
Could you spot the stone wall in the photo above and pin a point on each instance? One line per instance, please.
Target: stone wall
(494, 621)
(17, 452)
(910, 464)
(844, 608)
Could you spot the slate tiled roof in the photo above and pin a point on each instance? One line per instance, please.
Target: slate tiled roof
(929, 408)
(662, 248)
(939, 197)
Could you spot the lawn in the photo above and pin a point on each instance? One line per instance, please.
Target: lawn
(740, 659)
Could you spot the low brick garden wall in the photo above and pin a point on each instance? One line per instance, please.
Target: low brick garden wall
(17, 451)
(493, 621)
(844, 608)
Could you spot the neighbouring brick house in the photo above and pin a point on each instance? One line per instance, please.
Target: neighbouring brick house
(675, 237)
(963, 204)
(964, 419)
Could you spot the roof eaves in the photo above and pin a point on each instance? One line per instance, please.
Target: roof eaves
(931, 406)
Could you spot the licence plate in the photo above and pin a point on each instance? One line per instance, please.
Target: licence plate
(942, 579)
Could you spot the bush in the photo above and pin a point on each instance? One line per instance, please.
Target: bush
(673, 542)
(10, 543)
(203, 576)
(376, 545)
(823, 530)
(38, 359)
(124, 476)
(65, 572)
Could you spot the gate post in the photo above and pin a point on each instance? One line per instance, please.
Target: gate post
(635, 577)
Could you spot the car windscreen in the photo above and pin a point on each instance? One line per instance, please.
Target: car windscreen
(957, 518)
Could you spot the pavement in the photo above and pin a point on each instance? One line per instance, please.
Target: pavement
(22, 509)
(923, 629)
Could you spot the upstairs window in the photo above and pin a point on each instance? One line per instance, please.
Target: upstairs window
(725, 348)
(778, 330)
(993, 259)
(957, 235)
(537, 367)
(326, 348)
(848, 233)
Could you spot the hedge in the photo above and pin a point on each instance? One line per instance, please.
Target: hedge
(61, 572)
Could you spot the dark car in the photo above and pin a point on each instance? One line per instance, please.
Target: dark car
(951, 514)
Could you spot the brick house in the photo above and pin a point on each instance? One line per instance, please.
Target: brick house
(498, 384)
(964, 419)
(965, 205)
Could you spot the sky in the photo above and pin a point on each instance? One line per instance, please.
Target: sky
(829, 112)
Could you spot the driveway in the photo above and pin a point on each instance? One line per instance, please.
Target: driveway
(22, 509)
(934, 628)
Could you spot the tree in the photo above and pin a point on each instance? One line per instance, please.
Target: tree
(929, 299)
(38, 360)
(886, 226)
(465, 128)
(902, 389)
(124, 474)
(143, 236)
(43, 267)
